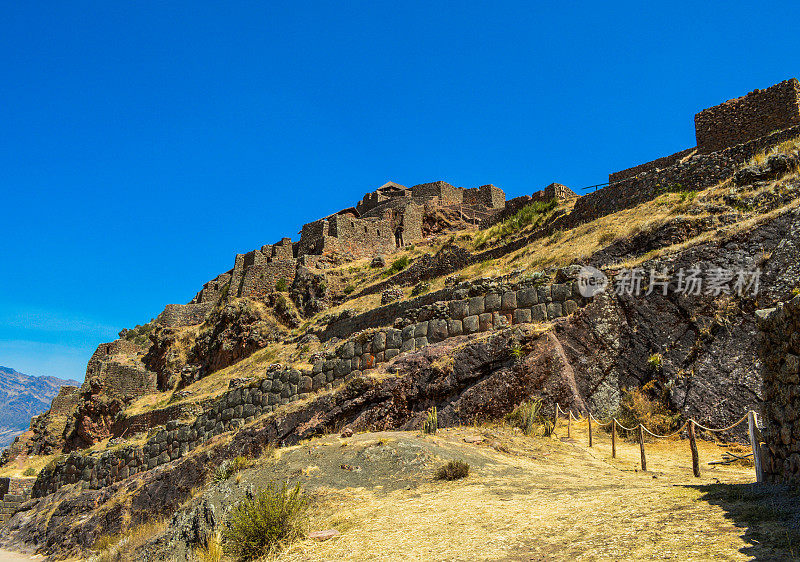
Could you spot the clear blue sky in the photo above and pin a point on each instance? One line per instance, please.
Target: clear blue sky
(145, 143)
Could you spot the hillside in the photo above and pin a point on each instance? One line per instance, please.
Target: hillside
(21, 398)
(452, 307)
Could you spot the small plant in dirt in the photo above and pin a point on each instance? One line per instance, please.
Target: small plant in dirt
(267, 523)
(30, 471)
(349, 289)
(281, 286)
(529, 417)
(229, 468)
(431, 424)
(656, 362)
(517, 353)
(453, 470)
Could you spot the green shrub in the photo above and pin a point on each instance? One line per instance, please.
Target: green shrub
(30, 471)
(453, 470)
(397, 266)
(349, 289)
(267, 523)
(517, 353)
(529, 418)
(431, 424)
(655, 362)
(281, 286)
(533, 214)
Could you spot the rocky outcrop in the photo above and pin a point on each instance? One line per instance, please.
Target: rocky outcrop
(94, 417)
(231, 332)
(309, 292)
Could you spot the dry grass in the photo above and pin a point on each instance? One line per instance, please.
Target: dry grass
(121, 548)
(18, 467)
(543, 499)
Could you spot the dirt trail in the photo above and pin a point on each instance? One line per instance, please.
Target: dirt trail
(526, 498)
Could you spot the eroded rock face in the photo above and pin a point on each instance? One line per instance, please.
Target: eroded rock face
(231, 333)
(93, 419)
(309, 292)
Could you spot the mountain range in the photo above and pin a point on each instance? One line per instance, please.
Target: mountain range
(23, 397)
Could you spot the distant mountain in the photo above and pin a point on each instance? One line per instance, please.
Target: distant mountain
(23, 397)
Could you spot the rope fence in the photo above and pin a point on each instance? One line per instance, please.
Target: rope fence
(689, 426)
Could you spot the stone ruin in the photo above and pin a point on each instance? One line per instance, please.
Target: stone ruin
(756, 115)
(779, 349)
(383, 222)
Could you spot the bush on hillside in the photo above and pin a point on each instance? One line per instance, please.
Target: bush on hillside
(267, 523)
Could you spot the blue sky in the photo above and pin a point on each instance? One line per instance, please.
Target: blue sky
(146, 143)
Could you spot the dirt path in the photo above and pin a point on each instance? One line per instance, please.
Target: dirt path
(6, 556)
(541, 499)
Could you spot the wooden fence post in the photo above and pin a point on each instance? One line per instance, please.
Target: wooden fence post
(693, 446)
(641, 446)
(752, 429)
(555, 417)
(569, 424)
(614, 438)
(590, 429)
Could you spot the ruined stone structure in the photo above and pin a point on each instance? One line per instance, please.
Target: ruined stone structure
(749, 117)
(112, 367)
(779, 349)
(13, 493)
(759, 114)
(372, 226)
(469, 309)
(390, 217)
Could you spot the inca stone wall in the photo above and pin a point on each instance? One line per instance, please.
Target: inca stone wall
(755, 115)
(779, 349)
(694, 173)
(13, 493)
(65, 401)
(177, 315)
(467, 313)
(663, 162)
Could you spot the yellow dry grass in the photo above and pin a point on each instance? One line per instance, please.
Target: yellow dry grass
(543, 500)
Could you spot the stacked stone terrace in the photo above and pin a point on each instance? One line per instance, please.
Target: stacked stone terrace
(497, 306)
(13, 493)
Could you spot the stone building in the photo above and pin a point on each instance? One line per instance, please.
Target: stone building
(371, 227)
(734, 122)
(749, 117)
(114, 368)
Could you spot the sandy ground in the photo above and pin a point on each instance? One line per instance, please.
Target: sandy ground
(6, 556)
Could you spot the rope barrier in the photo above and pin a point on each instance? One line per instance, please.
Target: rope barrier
(691, 424)
(724, 428)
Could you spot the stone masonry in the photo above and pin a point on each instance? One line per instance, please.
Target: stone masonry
(13, 493)
(749, 117)
(779, 349)
(499, 307)
(759, 114)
